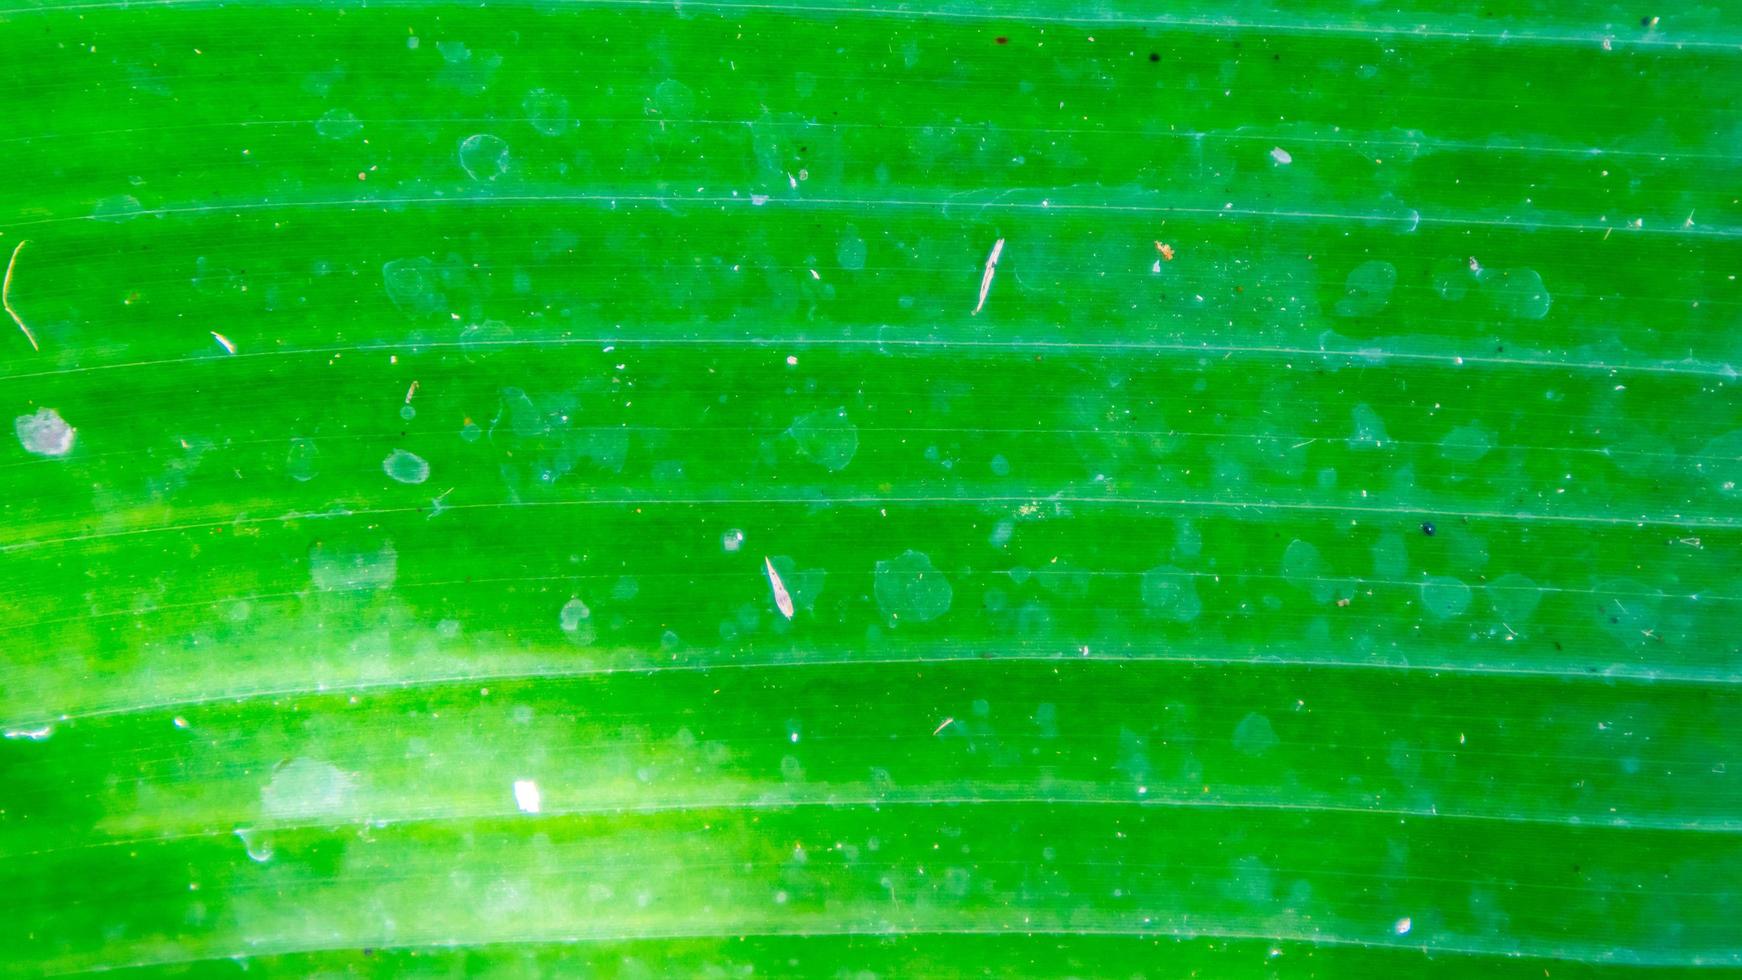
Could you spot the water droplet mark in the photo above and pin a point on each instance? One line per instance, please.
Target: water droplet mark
(338, 124)
(909, 589)
(1368, 288)
(828, 439)
(483, 156)
(405, 467)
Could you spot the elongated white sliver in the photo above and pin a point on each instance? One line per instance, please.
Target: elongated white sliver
(991, 270)
(782, 598)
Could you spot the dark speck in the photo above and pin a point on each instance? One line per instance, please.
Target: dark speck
(1001, 39)
(1645, 22)
(1154, 56)
(1557, 645)
(1427, 528)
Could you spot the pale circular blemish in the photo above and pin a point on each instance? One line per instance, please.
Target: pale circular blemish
(1514, 598)
(851, 251)
(1445, 597)
(1466, 444)
(1254, 735)
(673, 98)
(1305, 567)
(338, 124)
(1170, 593)
(1517, 293)
(1281, 156)
(828, 439)
(301, 463)
(122, 207)
(909, 589)
(1369, 428)
(346, 567)
(1368, 288)
(405, 467)
(547, 112)
(45, 433)
(306, 788)
(413, 284)
(483, 156)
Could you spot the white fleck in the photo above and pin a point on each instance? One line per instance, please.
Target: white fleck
(782, 598)
(991, 270)
(45, 433)
(224, 342)
(180, 722)
(758, 199)
(405, 467)
(791, 360)
(527, 797)
(1402, 926)
(1281, 156)
(34, 734)
(732, 540)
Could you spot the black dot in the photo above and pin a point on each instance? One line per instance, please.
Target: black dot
(1154, 56)
(1001, 39)
(1645, 22)
(1427, 528)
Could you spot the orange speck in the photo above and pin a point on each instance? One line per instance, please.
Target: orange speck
(1165, 249)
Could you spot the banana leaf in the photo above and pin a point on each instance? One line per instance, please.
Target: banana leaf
(725, 488)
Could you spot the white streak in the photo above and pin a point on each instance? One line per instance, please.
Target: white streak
(224, 342)
(991, 270)
(527, 797)
(782, 598)
(34, 734)
(6, 295)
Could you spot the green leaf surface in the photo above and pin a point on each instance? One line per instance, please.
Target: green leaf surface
(625, 489)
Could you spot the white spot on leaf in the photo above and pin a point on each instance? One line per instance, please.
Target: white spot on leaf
(45, 433)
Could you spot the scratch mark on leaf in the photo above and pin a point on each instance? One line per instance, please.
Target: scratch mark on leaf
(6, 295)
